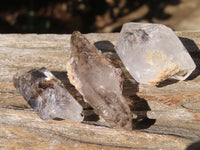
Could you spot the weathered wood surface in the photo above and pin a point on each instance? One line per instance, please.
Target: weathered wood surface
(165, 117)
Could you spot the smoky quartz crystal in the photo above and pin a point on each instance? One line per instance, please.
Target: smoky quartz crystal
(98, 81)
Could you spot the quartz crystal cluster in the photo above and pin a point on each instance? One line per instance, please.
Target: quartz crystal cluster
(47, 95)
(152, 53)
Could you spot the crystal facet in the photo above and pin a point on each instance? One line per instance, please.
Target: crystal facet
(98, 81)
(47, 95)
(152, 53)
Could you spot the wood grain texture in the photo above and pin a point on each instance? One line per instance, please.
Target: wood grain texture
(165, 117)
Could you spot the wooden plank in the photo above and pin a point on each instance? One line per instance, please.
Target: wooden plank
(167, 116)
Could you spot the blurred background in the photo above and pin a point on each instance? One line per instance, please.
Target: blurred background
(65, 16)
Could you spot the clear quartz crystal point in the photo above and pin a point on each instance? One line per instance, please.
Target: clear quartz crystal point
(152, 53)
(47, 95)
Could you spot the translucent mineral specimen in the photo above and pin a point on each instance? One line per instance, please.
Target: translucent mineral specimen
(47, 95)
(98, 81)
(152, 53)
